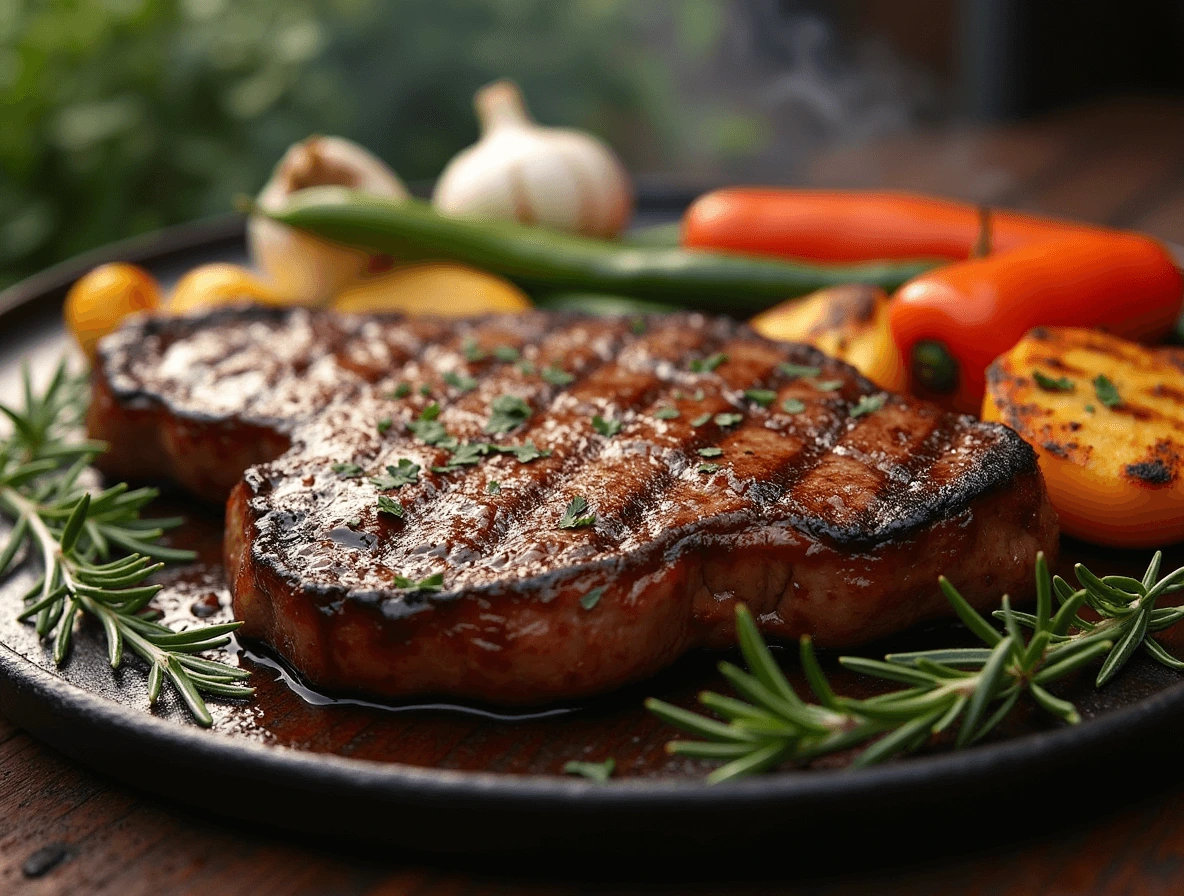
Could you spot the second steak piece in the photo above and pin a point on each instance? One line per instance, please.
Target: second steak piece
(525, 509)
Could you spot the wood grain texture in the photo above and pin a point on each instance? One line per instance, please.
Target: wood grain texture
(1114, 162)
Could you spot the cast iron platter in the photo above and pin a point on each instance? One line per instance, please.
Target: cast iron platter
(469, 780)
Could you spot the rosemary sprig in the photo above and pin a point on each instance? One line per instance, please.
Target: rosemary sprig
(976, 687)
(95, 552)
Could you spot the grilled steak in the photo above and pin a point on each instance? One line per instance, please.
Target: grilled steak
(715, 465)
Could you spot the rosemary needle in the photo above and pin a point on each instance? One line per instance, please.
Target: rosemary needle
(95, 551)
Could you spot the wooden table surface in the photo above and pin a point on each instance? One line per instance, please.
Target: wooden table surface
(64, 830)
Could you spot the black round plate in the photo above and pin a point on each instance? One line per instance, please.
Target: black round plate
(477, 811)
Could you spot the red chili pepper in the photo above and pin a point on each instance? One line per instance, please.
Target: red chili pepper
(951, 323)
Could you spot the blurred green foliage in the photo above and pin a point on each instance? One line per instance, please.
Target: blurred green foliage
(119, 116)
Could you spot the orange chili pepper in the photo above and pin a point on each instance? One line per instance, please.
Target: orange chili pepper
(832, 225)
(951, 323)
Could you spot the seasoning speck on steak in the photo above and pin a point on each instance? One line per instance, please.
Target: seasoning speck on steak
(568, 503)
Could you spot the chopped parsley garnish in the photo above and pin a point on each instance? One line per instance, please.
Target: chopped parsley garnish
(698, 396)
(401, 391)
(526, 368)
(431, 583)
(493, 487)
(525, 452)
(460, 381)
(506, 353)
(1106, 391)
(792, 406)
(390, 505)
(763, 397)
(397, 476)
(868, 404)
(637, 326)
(508, 412)
(592, 598)
(607, 428)
(429, 430)
(700, 420)
(425, 390)
(708, 364)
(353, 522)
(575, 516)
(828, 385)
(708, 468)
(666, 413)
(593, 771)
(347, 471)
(1052, 384)
(464, 456)
(473, 352)
(711, 451)
(1090, 408)
(795, 370)
(557, 376)
(384, 424)
(728, 419)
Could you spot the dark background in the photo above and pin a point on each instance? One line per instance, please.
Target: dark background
(120, 116)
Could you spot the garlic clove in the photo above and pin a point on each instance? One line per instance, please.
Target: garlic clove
(306, 270)
(519, 170)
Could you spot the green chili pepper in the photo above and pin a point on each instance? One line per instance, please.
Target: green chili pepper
(542, 261)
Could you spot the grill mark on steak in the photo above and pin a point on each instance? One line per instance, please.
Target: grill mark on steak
(826, 523)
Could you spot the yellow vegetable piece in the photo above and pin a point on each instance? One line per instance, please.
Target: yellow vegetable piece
(435, 288)
(846, 322)
(99, 300)
(220, 283)
(1106, 418)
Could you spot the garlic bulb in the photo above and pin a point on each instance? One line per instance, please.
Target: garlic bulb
(304, 269)
(522, 171)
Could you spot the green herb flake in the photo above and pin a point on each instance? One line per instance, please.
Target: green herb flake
(557, 376)
(384, 424)
(472, 351)
(793, 371)
(526, 368)
(575, 516)
(493, 487)
(711, 451)
(465, 455)
(828, 385)
(431, 431)
(1090, 408)
(592, 598)
(593, 771)
(460, 381)
(506, 353)
(347, 471)
(708, 364)
(525, 452)
(353, 522)
(666, 413)
(425, 390)
(1106, 391)
(868, 404)
(699, 395)
(402, 390)
(1052, 384)
(390, 505)
(637, 326)
(397, 476)
(431, 583)
(607, 428)
(792, 406)
(728, 419)
(508, 412)
(763, 397)
(701, 420)
(708, 468)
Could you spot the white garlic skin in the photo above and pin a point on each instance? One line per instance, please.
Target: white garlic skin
(306, 270)
(560, 178)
